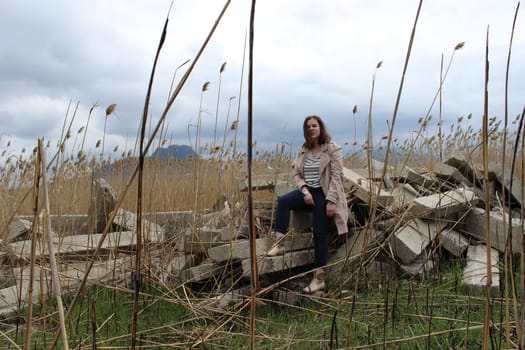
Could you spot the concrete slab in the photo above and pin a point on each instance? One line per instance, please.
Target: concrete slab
(150, 230)
(18, 228)
(404, 195)
(201, 239)
(475, 224)
(237, 250)
(453, 241)
(425, 262)
(76, 245)
(475, 272)
(279, 263)
(172, 221)
(410, 240)
(101, 205)
(365, 189)
(443, 205)
(450, 175)
(201, 272)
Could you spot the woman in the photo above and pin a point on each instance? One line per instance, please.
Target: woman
(318, 172)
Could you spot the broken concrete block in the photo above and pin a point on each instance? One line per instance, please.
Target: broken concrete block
(150, 230)
(475, 224)
(475, 272)
(403, 194)
(421, 180)
(453, 241)
(503, 185)
(241, 249)
(263, 182)
(18, 228)
(76, 245)
(201, 272)
(102, 203)
(236, 250)
(450, 174)
(442, 205)
(466, 169)
(180, 263)
(172, 221)
(70, 224)
(167, 270)
(365, 189)
(375, 170)
(200, 240)
(230, 233)
(410, 240)
(295, 241)
(425, 262)
(279, 263)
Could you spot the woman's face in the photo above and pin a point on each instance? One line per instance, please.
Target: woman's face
(313, 130)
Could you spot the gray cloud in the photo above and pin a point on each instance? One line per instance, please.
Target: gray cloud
(311, 57)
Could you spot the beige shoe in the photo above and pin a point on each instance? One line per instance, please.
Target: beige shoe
(277, 247)
(317, 282)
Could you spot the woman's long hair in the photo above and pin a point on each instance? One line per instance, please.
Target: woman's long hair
(324, 136)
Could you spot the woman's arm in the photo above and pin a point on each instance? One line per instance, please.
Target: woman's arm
(298, 175)
(336, 171)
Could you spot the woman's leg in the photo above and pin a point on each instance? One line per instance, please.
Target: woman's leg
(320, 231)
(320, 228)
(293, 200)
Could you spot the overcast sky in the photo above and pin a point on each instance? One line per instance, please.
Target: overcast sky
(310, 57)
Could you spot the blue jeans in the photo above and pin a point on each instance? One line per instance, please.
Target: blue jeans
(294, 200)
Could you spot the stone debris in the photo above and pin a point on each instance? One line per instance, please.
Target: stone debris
(475, 224)
(420, 217)
(237, 250)
(128, 221)
(443, 205)
(103, 202)
(450, 175)
(453, 241)
(19, 227)
(475, 272)
(366, 189)
(424, 262)
(79, 245)
(412, 238)
(269, 264)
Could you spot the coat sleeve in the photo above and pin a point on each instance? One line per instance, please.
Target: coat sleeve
(335, 185)
(298, 176)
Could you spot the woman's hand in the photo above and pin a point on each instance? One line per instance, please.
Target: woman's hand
(309, 199)
(330, 209)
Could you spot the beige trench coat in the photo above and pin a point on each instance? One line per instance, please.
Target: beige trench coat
(331, 171)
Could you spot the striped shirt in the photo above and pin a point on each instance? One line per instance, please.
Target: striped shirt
(312, 176)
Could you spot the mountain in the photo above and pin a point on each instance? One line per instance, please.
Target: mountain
(177, 152)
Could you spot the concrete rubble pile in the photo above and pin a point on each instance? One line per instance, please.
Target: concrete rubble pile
(404, 221)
